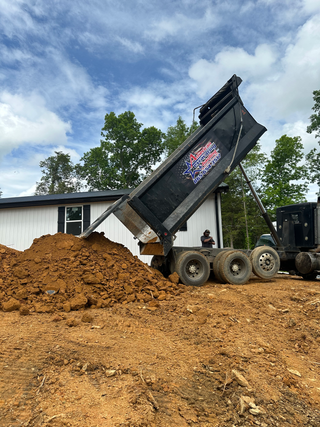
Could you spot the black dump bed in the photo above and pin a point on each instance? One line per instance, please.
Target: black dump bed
(158, 207)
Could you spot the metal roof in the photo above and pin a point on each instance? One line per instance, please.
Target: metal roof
(72, 198)
(57, 199)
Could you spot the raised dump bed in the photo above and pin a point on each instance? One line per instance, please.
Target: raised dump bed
(158, 207)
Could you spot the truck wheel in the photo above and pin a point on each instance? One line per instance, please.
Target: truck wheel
(265, 262)
(216, 265)
(235, 268)
(193, 268)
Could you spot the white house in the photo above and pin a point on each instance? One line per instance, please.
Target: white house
(22, 219)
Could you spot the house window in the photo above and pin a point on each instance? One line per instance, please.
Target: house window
(74, 220)
(184, 227)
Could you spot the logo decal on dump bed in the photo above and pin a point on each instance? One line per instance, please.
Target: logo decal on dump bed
(201, 161)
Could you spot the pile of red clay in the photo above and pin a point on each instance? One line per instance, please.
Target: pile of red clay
(62, 272)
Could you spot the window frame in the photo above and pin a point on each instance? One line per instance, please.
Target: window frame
(66, 222)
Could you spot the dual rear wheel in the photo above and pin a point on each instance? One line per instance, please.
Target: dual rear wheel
(232, 267)
(235, 267)
(229, 267)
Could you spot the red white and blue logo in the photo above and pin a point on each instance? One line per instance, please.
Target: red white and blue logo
(202, 161)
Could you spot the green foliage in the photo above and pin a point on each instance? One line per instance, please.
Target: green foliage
(97, 170)
(313, 164)
(241, 218)
(177, 134)
(313, 157)
(315, 118)
(0, 193)
(59, 175)
(284, 179)
(125, 156)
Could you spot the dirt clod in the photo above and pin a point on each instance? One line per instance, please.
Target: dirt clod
(11, 304)
(87, 318)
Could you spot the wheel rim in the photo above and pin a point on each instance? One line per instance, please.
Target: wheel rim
(193, 268)
(267, 262)
(237, 267)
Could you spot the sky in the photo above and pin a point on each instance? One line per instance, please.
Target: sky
(64, 65)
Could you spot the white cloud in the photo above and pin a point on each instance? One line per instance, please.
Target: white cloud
(159, 104)
(70, 84)
(147, 97)
(12, 56)
(29, 192)
(299, 128)
(211, 75)
(27, 120)
(277, 88)
(17, 21)
(311, 6)
(289, 95)
(134, 47)
(61, 81)
(182, 25)
(19, 176)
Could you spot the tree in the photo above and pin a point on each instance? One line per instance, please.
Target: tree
(315, 118)
(313, 157)
(177, 134)
(0, 193)
(242, 222)
(59, 175)
(126, 154)
(96, 170)
(313, 164)
(284, 178)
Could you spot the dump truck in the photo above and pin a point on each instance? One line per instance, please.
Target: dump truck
(164, 201)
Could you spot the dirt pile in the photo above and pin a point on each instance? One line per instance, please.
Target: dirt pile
(62, 272)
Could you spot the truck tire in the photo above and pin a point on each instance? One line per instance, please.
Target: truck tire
(235, 268)
(216, 265)
(193, 268)
(265, 262)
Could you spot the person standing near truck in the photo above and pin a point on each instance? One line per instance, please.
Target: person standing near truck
(206, 240)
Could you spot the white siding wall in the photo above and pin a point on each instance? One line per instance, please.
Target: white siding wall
(203, 218)
(18, 227)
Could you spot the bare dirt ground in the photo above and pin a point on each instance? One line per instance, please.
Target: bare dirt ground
(90, 336)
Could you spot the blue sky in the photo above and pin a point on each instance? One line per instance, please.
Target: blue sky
(64, 65)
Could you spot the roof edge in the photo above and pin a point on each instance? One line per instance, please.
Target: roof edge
(72, 198)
